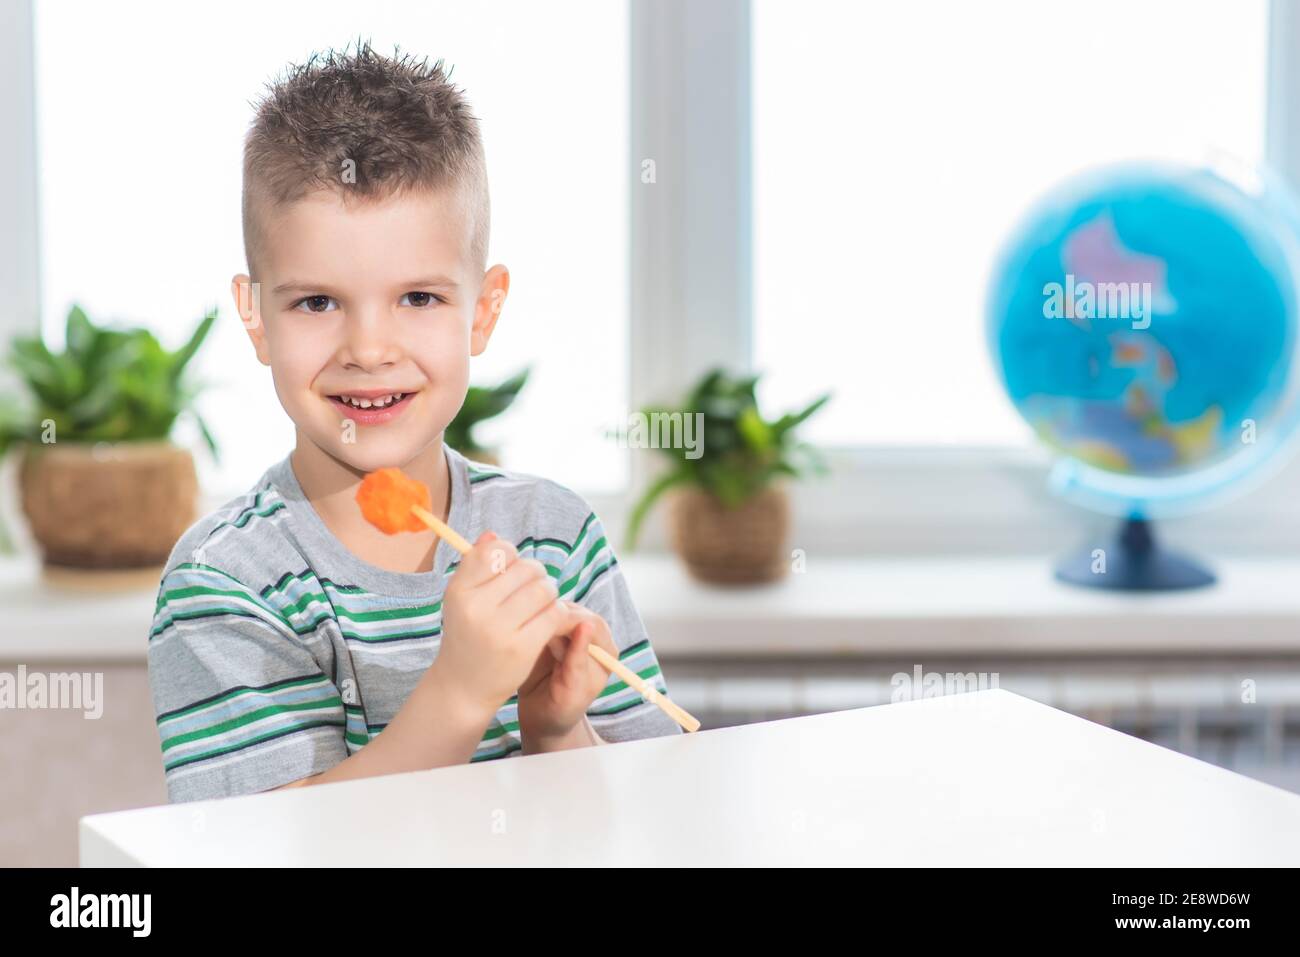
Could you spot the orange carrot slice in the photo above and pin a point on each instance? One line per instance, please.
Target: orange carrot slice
(386, 497)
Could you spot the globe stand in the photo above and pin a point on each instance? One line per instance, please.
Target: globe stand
(1133, 561)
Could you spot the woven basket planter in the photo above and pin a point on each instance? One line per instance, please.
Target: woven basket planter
(732, 546)
(108, 505)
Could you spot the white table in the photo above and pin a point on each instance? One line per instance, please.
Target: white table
(986, 778)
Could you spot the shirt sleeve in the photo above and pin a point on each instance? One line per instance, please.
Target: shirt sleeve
(242, 704)
(592, 577)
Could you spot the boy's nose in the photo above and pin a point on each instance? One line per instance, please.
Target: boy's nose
(370, 340)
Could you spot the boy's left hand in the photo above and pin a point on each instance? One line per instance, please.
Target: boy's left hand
(564, 681)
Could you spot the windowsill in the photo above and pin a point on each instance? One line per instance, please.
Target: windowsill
(837, 607)
(971, 605)
(47, 622)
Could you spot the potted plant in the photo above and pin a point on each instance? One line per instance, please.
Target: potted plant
(730, 512)
(482, 403)
(101, 484)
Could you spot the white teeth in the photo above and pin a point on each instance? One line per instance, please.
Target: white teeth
(378, 402)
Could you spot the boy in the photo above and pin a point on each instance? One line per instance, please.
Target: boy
(293, 643)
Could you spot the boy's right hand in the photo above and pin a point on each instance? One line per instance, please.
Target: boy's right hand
(498, 614)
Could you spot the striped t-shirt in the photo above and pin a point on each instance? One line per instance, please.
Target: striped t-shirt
(275, 653)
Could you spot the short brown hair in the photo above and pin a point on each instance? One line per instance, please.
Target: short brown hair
(392, 123)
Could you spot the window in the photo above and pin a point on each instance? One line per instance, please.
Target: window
(896, 144)
(141, 112)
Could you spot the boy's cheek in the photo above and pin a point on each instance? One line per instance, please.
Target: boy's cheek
(445, 369)
(294, 380)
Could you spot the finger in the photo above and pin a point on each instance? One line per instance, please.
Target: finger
(497, 591)
(552, 622)
(532, 595)
(599, 628)
(604, 639)
(575, 662)
(542, 666)
(490, 557)
(597, 633)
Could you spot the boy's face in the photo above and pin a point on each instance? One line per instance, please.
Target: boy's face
(376, 304)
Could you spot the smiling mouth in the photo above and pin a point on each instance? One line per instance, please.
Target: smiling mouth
(372, 409)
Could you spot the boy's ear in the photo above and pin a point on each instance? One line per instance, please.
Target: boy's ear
(248, 303)
(491, 298)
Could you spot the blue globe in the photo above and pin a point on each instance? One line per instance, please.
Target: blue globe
(1143, 321)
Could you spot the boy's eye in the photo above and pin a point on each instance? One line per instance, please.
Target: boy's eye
(420, 300)
(314, 303)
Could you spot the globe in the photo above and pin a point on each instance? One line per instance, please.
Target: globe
(1142, 318)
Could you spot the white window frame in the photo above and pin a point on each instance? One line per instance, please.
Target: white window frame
(690, 297)
(691, 282)
(20, 268)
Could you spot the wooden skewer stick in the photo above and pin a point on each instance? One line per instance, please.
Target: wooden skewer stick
(603, 657)
(648, 691)
(442, 529)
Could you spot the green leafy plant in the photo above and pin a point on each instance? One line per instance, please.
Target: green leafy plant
(740, 452)
(481, 403)
(107, 385)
